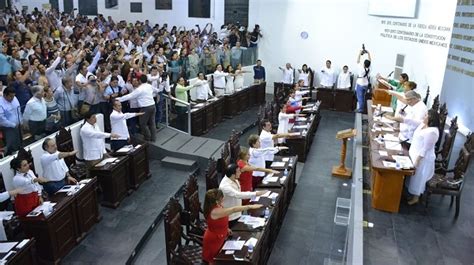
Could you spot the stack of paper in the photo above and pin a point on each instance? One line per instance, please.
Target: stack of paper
(125, 149)
(388, 164)
(278, 164)
(299, 126)
(251, 241)
(391, 137)
(254, 222)
(233, 245)
(266, 194)
(301, 119)
(404, 161)
(105, 161)
(393, 146)
(270, 179)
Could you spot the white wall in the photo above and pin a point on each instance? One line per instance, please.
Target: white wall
(337, 28)
(30, 3)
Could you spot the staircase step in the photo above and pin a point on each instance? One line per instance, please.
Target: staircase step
(179, 163)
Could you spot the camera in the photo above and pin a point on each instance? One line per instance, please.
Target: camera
(364, 51)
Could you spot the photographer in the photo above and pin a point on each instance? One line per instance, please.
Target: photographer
(363, 79)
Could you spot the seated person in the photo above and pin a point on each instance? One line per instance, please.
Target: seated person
(30, 196)
(401, 103)
(55, 169)
(257, 157)
(218, 223)
(233, 194)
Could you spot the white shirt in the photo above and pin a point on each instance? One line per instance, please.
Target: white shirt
(118, 122)
(344, 80)
(133, 102)
(416, 112)
(203, 90)
(233, 195)
(299, 96)
(143, 94)
(257, 158)
(327, 77)
(4, 196)
(54, 76)
(35, 110)
(81, 79)
(219, 79)
(266, 141)
(287, 76)
(361, 80)
(93, 143)
(54, 169)
(284, 124)
(121, 82)
(305, 77)
(25, 182)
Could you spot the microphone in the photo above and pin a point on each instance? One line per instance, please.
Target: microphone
(389, 75)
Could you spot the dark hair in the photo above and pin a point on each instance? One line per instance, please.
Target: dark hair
(433, 118)
(252, 139)
(231, 169)
(210, 200)
(114, 78)
(46, 143)
(15, 164)
(328, 61)
(8, 91)
(404, 76)
(264, 122)
(411, 85)
(143, 79)
(345, 66)
(88, 115)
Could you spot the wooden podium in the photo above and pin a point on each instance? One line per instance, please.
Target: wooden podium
(381, 97)
(341, 170)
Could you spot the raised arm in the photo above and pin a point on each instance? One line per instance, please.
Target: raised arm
(223, 212)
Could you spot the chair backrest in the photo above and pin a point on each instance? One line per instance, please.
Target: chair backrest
(469, 144)
(443, 114)
(26, 155)
(435, 105)
(225, 158)
(427, 95)
(65, 144)
(462, 163)
(212, 180)
(191, 198)
(234, 146)
(449, 138)
(3, 205)
(173, 229)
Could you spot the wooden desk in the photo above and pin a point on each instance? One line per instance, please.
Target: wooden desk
(300, 144)
(113, 179)
(387, 183)
(379, 96)
(26, 255)
(138, 164)
(73, 216)
(336, 99)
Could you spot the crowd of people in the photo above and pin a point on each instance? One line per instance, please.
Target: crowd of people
(57, 67)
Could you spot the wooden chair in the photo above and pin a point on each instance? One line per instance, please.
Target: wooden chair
(211, 174)
(450, 182)
(443, 114)
(65, 144)
(435, 105)
(234, 146)
(427, 95)
(195, 226)
(12, 227)
(176, 252)
(445, 153)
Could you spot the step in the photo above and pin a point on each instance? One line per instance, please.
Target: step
(179, 163)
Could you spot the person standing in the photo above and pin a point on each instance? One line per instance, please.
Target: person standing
(236, 54)
(203, 91)
(267, 139)
(344, 79)
(287, 74)
(399, 86)
(327, 76)
(181, 108)
(305, 75)
(144, 96)
(363, 80)
(35, 113)
(258, 73)
(118, 122)
(10, 119)
(55, 170)
(219, 78)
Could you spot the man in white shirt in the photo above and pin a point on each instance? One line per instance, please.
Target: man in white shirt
(267, 140)
(219, 81)
(344, 79)
(118, 122)
(144, 96)
(287, 74)
(35, 113)
(55, 169)
(203, 91)
(93, 140)
(233, 195)
(327, 75)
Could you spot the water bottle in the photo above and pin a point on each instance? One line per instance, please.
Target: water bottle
(250, 249)
(273, 200)
(285, 173)
(267, 213)
(397, 165)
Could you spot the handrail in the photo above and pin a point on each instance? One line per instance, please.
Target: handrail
(178, 100)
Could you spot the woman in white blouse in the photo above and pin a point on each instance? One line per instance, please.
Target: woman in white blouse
(229, 85)
(305, 74)
(239, 77)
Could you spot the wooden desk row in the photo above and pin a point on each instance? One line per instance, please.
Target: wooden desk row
(336, 99)
(211, 113)
(266, 235)
(299, 145)
(23, 253)
(120, 178)
(73, 216)
(387, 182)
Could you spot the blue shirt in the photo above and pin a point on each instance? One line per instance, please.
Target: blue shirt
(10, 114)
(5, 66)
(23, 92)
(259, 72)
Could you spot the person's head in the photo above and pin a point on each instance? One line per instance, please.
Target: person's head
(20, 165)
(9, 93)
(143, 79)
(48, 92)
(266, 125)
(244, 154)
(254, 141)
(288, 65)
(213, 197)
(154, 70)
(67, 82)
(232, 171)
(117, 106)
(229, 69)
(38, 91)
(412, 97)
(181, 81)
(219, 67)
(328, 63)
(283, 108)
(300, 84)
(432, 118)
(113, 81)
(90, 118)
(409, 85)
(237, 44)
(259, 62)
(291, 93)
(49, 145)
(345, 68)
(115, 71)
(403, 78)
(366, 63)
(92, 79)
(201, 76)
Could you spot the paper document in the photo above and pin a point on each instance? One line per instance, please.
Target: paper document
(393, 146)
(274, 195)
(233, 245)
(385, 120)
(295, 133)
(7, 246)
(391, 138)
(266, 194)
(404, 161)
(301, 119)
(388, 164)
(383, 153)
(23, 243)
(105, 161)
(299, 126)
(255, 198)
(278, 164)
(125, 149)
(270, 179)
(285, 159)
(387, 109)
(387, 129)
(251, 241)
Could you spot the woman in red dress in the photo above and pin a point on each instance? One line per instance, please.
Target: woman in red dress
(246, 172)
(217, 223)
